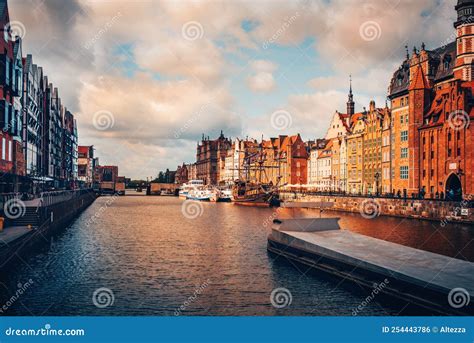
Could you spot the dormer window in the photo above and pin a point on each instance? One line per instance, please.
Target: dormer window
(446, 62)
(399, 80)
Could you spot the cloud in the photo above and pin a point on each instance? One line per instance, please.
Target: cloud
(165, 90)
(263, 80)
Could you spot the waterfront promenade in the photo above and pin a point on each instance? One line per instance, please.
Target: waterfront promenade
(29, 224)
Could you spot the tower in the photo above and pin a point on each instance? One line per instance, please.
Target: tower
(419, 100)
(350, 99)
(463, 68)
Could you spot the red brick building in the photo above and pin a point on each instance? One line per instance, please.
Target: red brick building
(182, 174)
(438, 87)
(210, 158)
(12, 162)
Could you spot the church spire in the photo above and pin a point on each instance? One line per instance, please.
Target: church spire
(350, 99)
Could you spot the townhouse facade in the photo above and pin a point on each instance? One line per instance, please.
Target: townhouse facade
(38, 140)
(86, 165)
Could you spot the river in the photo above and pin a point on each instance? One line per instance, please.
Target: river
(138, 255)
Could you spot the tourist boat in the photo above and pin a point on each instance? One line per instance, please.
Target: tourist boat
(200, 194)
(187, 187)
(221, 195)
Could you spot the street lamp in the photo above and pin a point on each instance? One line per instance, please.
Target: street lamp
(377, 177)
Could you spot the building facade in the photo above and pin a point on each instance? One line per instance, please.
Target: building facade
(210, 159)
(438, 131)
(86, 165)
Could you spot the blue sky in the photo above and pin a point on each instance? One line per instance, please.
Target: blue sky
(162, 73)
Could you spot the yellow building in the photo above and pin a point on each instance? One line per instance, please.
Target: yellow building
(355, 158)
(387, 152)
(372, 170)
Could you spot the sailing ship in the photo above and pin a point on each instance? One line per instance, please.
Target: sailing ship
(257, 191)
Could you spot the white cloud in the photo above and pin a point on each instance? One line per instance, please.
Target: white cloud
(176, 78)
(262, 80)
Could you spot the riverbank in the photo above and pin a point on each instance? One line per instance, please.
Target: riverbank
(37, 220)
(441, 211)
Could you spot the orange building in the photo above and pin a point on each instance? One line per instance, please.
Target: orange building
(283, 161)
(438, 131)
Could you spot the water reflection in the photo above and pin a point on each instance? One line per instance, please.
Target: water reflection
(154, 259)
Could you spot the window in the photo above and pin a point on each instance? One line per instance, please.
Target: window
(404, 153)
(3, 148)
(404, 136)
(10, 151)
(404, 172)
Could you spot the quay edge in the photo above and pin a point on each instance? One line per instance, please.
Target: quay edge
(51, 219)
(434, 210)
(418, 277)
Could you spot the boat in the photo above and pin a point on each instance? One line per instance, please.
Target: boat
(186, 187)
(200, 194)
(221, 195)
(255, 194)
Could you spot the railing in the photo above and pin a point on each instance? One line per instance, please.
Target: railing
(4, 197)
(55, 197)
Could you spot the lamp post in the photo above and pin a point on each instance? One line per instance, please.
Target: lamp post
(377, 177)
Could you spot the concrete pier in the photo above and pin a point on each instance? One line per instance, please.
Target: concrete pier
(422, 277)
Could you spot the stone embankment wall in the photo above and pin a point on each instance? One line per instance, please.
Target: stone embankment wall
(443, 211)
(52, 218)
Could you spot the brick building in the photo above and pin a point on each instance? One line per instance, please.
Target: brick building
(435, 89)
(182, 174)
(12, 165)
(210, 158)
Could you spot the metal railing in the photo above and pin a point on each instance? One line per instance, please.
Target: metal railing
(55, 197)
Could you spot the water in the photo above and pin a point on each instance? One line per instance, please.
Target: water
(146, 256)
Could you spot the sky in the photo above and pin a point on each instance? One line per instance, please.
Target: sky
(147, 78)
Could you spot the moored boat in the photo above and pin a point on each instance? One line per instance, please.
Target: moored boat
(263, 195)
(187, 187)
(200, 194)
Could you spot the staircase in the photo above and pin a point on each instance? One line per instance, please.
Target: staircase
(29, 218)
